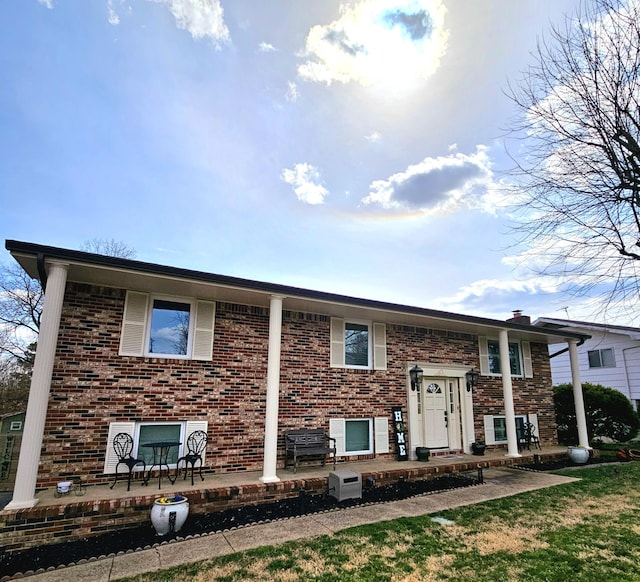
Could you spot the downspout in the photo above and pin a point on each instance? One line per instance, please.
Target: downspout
(626, 369)
(42, 271)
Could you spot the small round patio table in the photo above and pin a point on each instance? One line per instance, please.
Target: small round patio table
(160, 459)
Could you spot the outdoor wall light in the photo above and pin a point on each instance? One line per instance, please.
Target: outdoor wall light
(472, 379)
(416, 377)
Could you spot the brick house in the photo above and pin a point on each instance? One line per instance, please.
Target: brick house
(157, 351)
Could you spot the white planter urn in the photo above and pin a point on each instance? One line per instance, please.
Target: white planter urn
(168, 514)
(579, 455)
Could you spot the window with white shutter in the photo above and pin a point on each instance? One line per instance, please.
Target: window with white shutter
(167, 327)
(520, 360)
(358, 344)
(144, 432)
(355, 436)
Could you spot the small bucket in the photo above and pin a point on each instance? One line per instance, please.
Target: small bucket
(64, 487)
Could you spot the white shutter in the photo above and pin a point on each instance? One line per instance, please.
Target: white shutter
(484, 355)
(110, 458)
(203, 330)
(527, 362)
(134, 324)
(489, 431)
(193, 426)
(337, 431)
(381, 431)
(379, 346)
(533, 419)
(337, 343)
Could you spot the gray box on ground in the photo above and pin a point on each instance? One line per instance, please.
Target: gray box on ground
(345, 485)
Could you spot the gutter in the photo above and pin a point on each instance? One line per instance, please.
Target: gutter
(626, 368)
(582, 340)
(84, 258)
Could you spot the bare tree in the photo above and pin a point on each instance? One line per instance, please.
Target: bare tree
(15, 378)
(109, 247)
(578, 168)
(21, 302)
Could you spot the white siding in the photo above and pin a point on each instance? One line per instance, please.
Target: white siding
(624, 377)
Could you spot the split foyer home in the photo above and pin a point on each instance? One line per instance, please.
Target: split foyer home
(610, 357)
(159, 352)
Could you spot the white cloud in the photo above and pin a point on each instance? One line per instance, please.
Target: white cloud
(441, 184)
(305, 181)
(114, 19)
(200, 18)
(498, 298)
(46, 3)
(292, 92)
(373, 137)
(265, 47)
(536, 297)
(391, 43)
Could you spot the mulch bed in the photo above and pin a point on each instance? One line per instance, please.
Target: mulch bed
(562, 464)
(49, 557)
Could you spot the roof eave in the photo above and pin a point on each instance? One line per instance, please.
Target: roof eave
(105, 268)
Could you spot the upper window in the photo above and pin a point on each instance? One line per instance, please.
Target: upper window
(15, 425)
(168, 327)
(358, 344)
(494, 358)
(602, 358)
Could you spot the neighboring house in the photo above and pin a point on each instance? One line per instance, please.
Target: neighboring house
(11, 427)
(12, 423)
(611, 357)
(158, 352)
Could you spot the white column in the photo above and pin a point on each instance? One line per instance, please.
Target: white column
(24, 492)
(507, 389)
(578, 398)
(273, 392)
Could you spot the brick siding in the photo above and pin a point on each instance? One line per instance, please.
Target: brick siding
(93, 386)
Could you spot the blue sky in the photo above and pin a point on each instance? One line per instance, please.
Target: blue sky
(351, 147)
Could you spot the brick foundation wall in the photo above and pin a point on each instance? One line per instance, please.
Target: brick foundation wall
(26, 528)
(93, 386)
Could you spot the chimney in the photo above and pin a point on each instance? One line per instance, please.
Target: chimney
(519, 318)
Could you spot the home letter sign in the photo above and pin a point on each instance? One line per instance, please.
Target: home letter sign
(400, 431)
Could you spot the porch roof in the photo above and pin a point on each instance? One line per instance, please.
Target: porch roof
(116, 272)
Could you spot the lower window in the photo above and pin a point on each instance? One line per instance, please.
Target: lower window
(153, 433)
(358, 437)
(500, 427)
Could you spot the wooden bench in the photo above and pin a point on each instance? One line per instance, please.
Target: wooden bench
(307, 442)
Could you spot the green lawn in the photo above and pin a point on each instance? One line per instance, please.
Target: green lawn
(585, 530)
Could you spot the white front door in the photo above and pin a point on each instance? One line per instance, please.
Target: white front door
(435, 415)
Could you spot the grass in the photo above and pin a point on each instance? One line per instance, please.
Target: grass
(588, 530)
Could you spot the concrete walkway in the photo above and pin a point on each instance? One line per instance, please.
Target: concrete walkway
(498, 483)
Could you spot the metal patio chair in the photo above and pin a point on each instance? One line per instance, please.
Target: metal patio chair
(530, 430)
(196, 444)
(123, 446)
